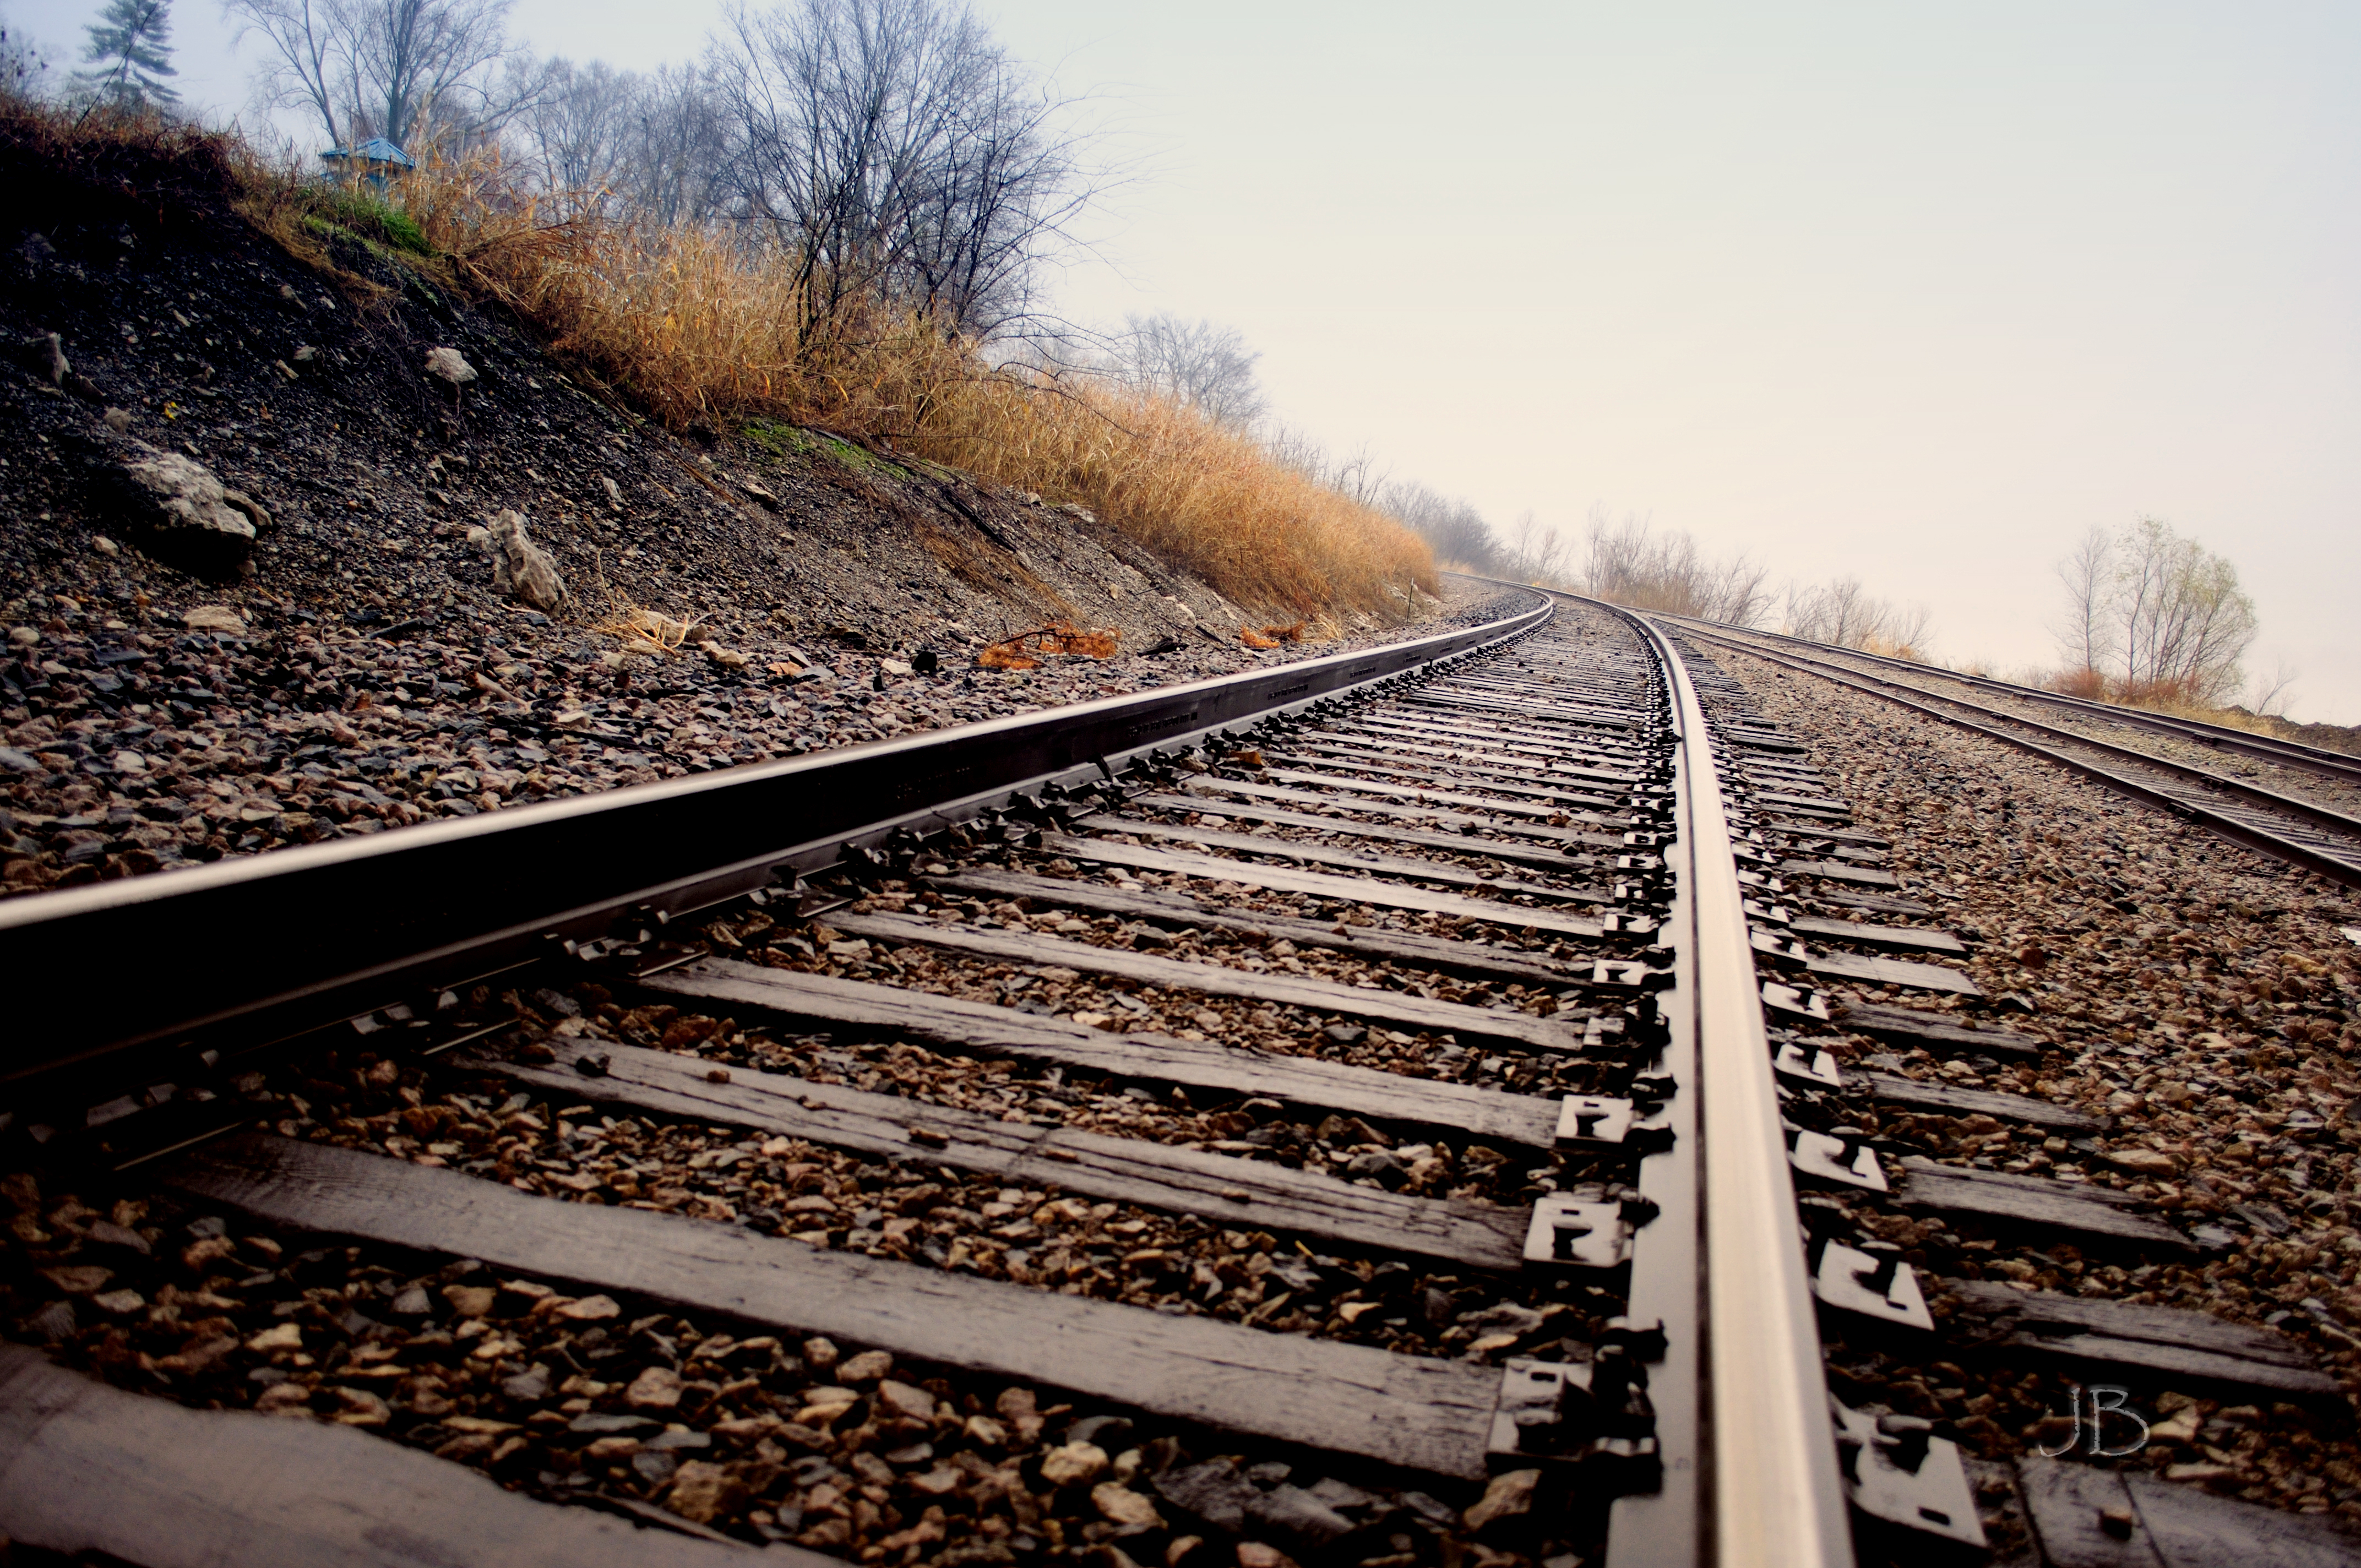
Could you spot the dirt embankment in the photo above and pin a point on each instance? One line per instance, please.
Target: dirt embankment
(256, 591)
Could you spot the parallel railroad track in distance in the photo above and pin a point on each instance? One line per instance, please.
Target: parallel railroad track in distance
(2317, 837)
(2340, 766)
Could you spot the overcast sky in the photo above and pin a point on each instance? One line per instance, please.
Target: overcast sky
(1911, 292)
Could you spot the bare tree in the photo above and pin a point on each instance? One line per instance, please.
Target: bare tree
(2184, 621)
(1358, 478)
(1844, 613)
(21, 67)
(1201, 366)
(1295, 450)
(436, 58)
(1742, 595)
(1906, 627)
(1848, 615)
(1453, 529)
(2269, 694)
(386, 68)
(317, 58)
(1802, 618)
(578, 131)
(1630, 564)
(678, 144)
(996, 197)
(893, 151)
(2086, 634)
(1537, 553)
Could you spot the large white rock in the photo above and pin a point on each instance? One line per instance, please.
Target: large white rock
(187, 516)
(521, 569)
(215, 618)
(451, 364)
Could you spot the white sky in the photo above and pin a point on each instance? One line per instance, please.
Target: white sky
(1914, 293)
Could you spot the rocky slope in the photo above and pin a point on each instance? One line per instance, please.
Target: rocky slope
(253, 593)
(2344, 738)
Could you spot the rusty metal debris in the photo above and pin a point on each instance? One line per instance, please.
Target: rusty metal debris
(1025, 649)
(1272, 636)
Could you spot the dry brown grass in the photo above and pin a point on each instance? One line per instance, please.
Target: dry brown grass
(2088, 685)
(697, 330)
(1207, 498)
(1887, 647)
(644, 631)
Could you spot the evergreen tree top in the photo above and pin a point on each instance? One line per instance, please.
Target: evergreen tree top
(129, 56)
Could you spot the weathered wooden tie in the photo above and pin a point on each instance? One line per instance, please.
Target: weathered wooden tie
(729, 985)
(1322, 996)
(1332, 855)
(1349, 891)
(1402, 1410)
(1255, 1194)
(1475, 959)
(95, 1474)
(2180, 1349)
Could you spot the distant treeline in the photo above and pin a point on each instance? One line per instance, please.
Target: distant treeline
(1634, 563)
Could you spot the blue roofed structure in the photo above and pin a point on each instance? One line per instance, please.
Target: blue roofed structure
(375, 155)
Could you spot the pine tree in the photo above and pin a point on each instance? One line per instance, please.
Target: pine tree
(129, 56)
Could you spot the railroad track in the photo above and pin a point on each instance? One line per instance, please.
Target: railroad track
(1386, 1110)
(2339, 766)
(2308, 832)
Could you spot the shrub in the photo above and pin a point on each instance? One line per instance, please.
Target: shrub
(2085, 683)
(362, 212)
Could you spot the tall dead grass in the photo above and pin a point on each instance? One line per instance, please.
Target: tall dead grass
(2173, 698)
(1206, 496)
(697, 328)
(1892, 648)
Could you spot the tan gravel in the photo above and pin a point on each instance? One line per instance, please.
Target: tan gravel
(131, 748)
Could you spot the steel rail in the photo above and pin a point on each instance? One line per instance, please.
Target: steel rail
(284, 942)
(1776, 1493)
(1778, 1496)
(2293, 753)
(2291, 849)
(1771, 1494)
